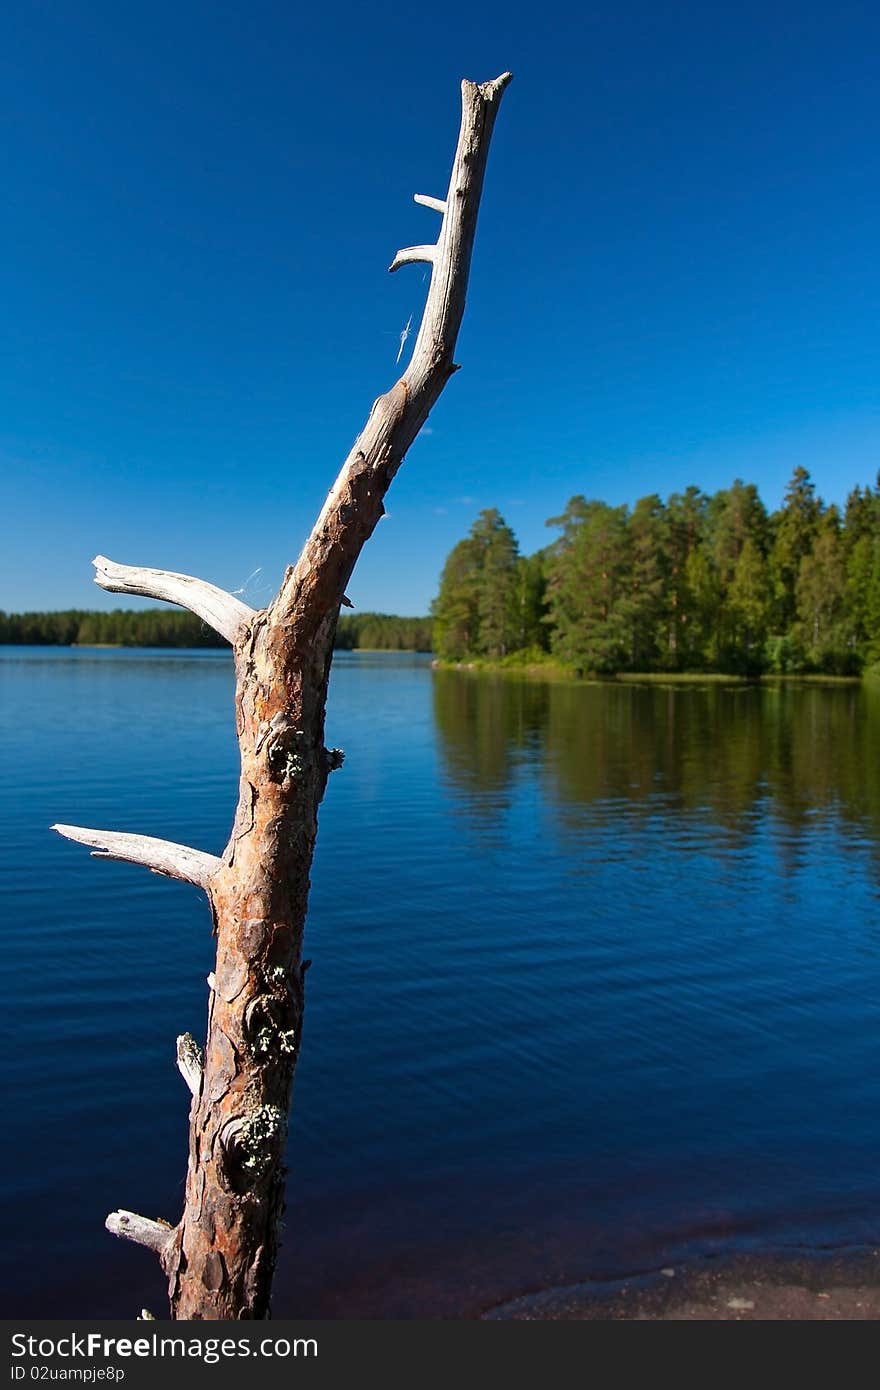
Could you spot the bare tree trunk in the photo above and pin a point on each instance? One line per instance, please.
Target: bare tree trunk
(220, 1257)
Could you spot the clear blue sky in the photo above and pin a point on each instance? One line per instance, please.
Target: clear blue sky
(676, 276)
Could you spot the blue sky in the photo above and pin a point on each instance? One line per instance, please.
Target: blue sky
(675, 280)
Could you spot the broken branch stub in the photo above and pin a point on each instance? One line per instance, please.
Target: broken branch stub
(190, 1062)
(155, 1235)
(161, 856)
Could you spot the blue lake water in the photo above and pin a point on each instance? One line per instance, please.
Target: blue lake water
(596, 980)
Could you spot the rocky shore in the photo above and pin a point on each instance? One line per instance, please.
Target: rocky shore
(787, 1287)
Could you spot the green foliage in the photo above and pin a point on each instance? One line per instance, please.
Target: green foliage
(747, 611)
(454, 610)
(587, 583)
(530, 606)
(698, 583)
(491, 601)
(823, 624)
(383, 632)
(497, 555)
(794, 528)
(645, 604)
(165, 627)
(120, 627)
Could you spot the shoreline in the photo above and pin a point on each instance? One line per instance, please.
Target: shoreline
(557, 672)
(550, 671)
(770, 1286)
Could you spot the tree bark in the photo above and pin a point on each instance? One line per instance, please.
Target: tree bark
(220, 1257)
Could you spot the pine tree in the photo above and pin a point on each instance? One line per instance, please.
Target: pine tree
(686, 516)
(531, 603)
(645, 608)
(748, 609)
(588, 580)
(497, 584)
(454, 610)
(475, 612)
(861, 546)
(699, 650)
(734, 515)
(820, 593)
(794, 528)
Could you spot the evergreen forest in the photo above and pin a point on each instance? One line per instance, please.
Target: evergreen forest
(169, 627)
(696, 583)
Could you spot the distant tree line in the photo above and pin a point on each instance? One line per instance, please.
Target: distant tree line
(168, 627)
(383, 632)
(120, 627)
(695, 583)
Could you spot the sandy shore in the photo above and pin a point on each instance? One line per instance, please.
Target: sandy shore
(799, 1287)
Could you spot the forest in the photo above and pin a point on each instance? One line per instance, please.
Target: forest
(696, 583)
(161, 627)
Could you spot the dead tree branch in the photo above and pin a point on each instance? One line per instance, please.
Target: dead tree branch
(155, 1235)
(223, 612)
(221, 1255)
(161, 856)
(354, 505)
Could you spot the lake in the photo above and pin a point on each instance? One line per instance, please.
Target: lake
(595, 982)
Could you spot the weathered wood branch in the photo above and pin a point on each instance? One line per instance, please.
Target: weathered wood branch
(190, 1062)
(156, 1235)
(223, 612)
(411, 254)
(161, 856)
(354, 504)
(438, 204)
